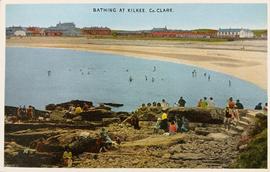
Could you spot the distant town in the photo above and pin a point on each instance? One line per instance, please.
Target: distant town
(70, 30)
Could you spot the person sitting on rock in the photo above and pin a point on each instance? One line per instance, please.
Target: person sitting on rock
(142, 109)
(149, 106)
(85, 107)
(78, 110)
(40, 145)
(239, 105)
(158, 109)
(204, 103)
(185, 124)
(153, 107)
(164, 121)
(211, 103)
(258, 106)
(157, 126)
(164, 104)
(106, 141)
(67, 157)
(172, 128)
(199, 104)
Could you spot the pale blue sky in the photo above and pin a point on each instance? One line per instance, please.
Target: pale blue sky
(184, 16)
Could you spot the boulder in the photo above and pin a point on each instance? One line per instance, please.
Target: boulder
(96, 114)
(67, 104)
(199, 115)
(21, 156)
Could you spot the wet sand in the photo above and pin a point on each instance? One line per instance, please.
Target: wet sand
(249, 64)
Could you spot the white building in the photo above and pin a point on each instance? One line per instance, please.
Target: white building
(235, 33)
(20, 33)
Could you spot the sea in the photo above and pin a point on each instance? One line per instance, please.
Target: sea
(42, 76)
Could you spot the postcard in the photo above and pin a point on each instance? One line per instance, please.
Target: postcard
(135, 85)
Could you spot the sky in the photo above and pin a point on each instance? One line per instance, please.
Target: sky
(184, 16)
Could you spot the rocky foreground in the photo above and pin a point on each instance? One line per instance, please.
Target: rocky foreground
(206, 145)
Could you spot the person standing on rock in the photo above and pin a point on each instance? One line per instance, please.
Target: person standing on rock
(227, 119)
(157, 126)
(184, 125)
(181, 102)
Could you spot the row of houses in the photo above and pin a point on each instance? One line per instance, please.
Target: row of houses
(61, 29)
(69, 29)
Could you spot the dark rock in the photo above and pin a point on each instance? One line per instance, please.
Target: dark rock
(67, 104)
(97, 115)
(211, 116)
(50, 107)
(114, 104)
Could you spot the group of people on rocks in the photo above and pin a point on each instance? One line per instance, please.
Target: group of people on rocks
(74, 111)
(206, 103)
(25, 113)
(232, 112)
(22, 113)
(171, 126)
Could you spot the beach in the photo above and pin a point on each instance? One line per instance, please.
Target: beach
(246, 60)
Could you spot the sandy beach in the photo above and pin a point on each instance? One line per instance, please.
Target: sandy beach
(249, 64)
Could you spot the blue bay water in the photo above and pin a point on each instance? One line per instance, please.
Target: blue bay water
(102, 77)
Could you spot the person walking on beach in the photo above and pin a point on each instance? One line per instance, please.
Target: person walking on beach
(130, 79)
(49, 73)
(208, 77)
(230, 83)
(204, 74)
(154, 69)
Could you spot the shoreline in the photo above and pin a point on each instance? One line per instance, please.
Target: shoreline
(236, 63)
